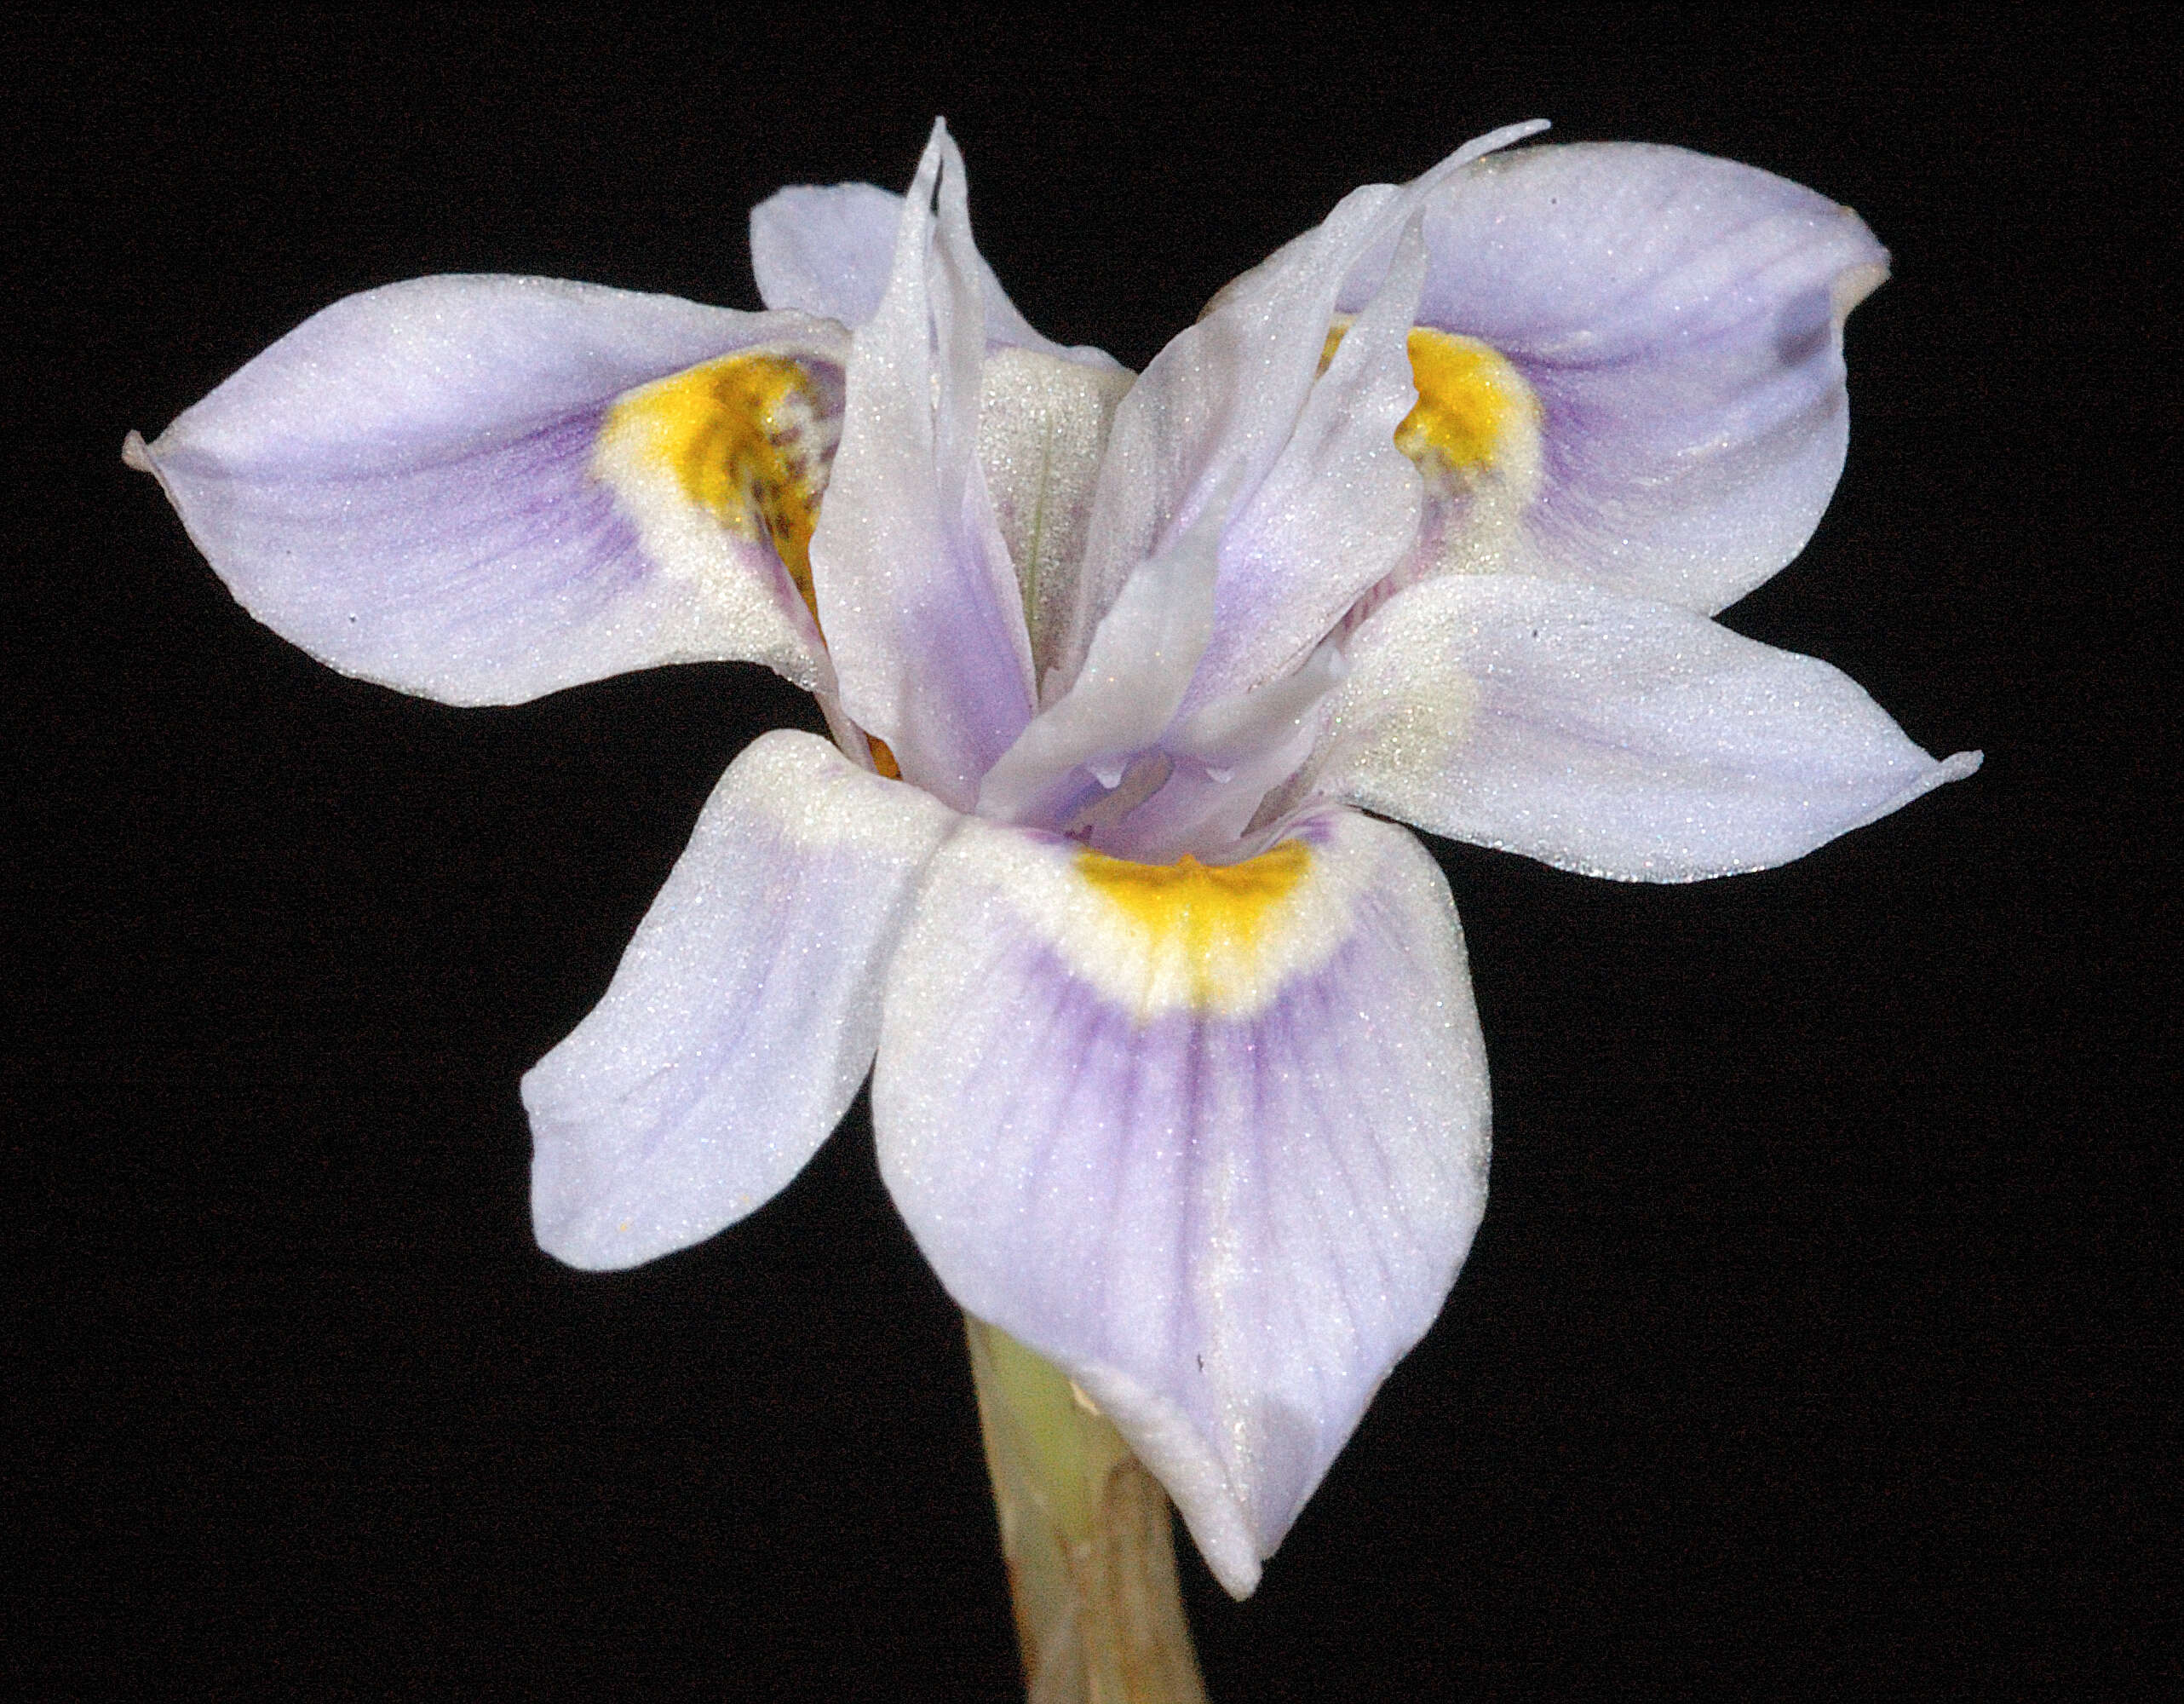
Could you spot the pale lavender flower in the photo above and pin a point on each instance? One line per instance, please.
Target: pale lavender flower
(1178, 1077)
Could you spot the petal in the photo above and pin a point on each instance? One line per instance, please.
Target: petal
(1133, 677)
(1609, 735)
(743, 1016)
(1336, 510)
(1215, 409)
(1043, 425)
(1323, 508)
(917, 594)
(1213, 1142)
(1680, 321)
(1241, 752)
(825, 250)
(829, 250)
(410, 486)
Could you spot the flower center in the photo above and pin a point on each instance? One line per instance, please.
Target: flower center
(1200, 931)
(749, 439)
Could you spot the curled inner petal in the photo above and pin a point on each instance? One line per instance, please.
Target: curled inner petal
(924, 618)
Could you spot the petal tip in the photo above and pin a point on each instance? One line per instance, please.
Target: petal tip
(1854, 284)
(560, 1229)
(1238, 1575)
(1179, 1455)
(136, 453)
(595, 1223)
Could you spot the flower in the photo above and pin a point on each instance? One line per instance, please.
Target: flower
(1178, 1076)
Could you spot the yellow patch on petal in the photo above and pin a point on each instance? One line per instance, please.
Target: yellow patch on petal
(1476, 416)
(1476, 435)
(745, 440)
(1471, 402)
(1203, 935)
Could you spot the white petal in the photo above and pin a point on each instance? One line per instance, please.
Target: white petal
(1216, 1151)
(1679, 319)
(1245, 748)
(1609, 735)
(1336, 510)
(916, 595)
(1134, 677)
(1042, 426)
(406, 486)
(829, 250)
(1214, 410)
(743, 1016)
(825, 250)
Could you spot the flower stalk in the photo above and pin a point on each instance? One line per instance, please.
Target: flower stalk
(1087, 1535)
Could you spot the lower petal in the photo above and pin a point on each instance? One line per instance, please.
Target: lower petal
(1213, 1141)
(743, 1016)
(1610, 735)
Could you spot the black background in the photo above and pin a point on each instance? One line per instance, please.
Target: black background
(1811, 1347)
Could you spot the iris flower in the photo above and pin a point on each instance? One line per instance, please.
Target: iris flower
(1176, 1075)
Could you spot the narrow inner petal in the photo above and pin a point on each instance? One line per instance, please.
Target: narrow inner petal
(1134, 677)
(923, 611)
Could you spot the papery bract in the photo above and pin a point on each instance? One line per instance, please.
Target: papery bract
(1178, 1077)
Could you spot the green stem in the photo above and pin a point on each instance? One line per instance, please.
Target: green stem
(1086, 1533)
